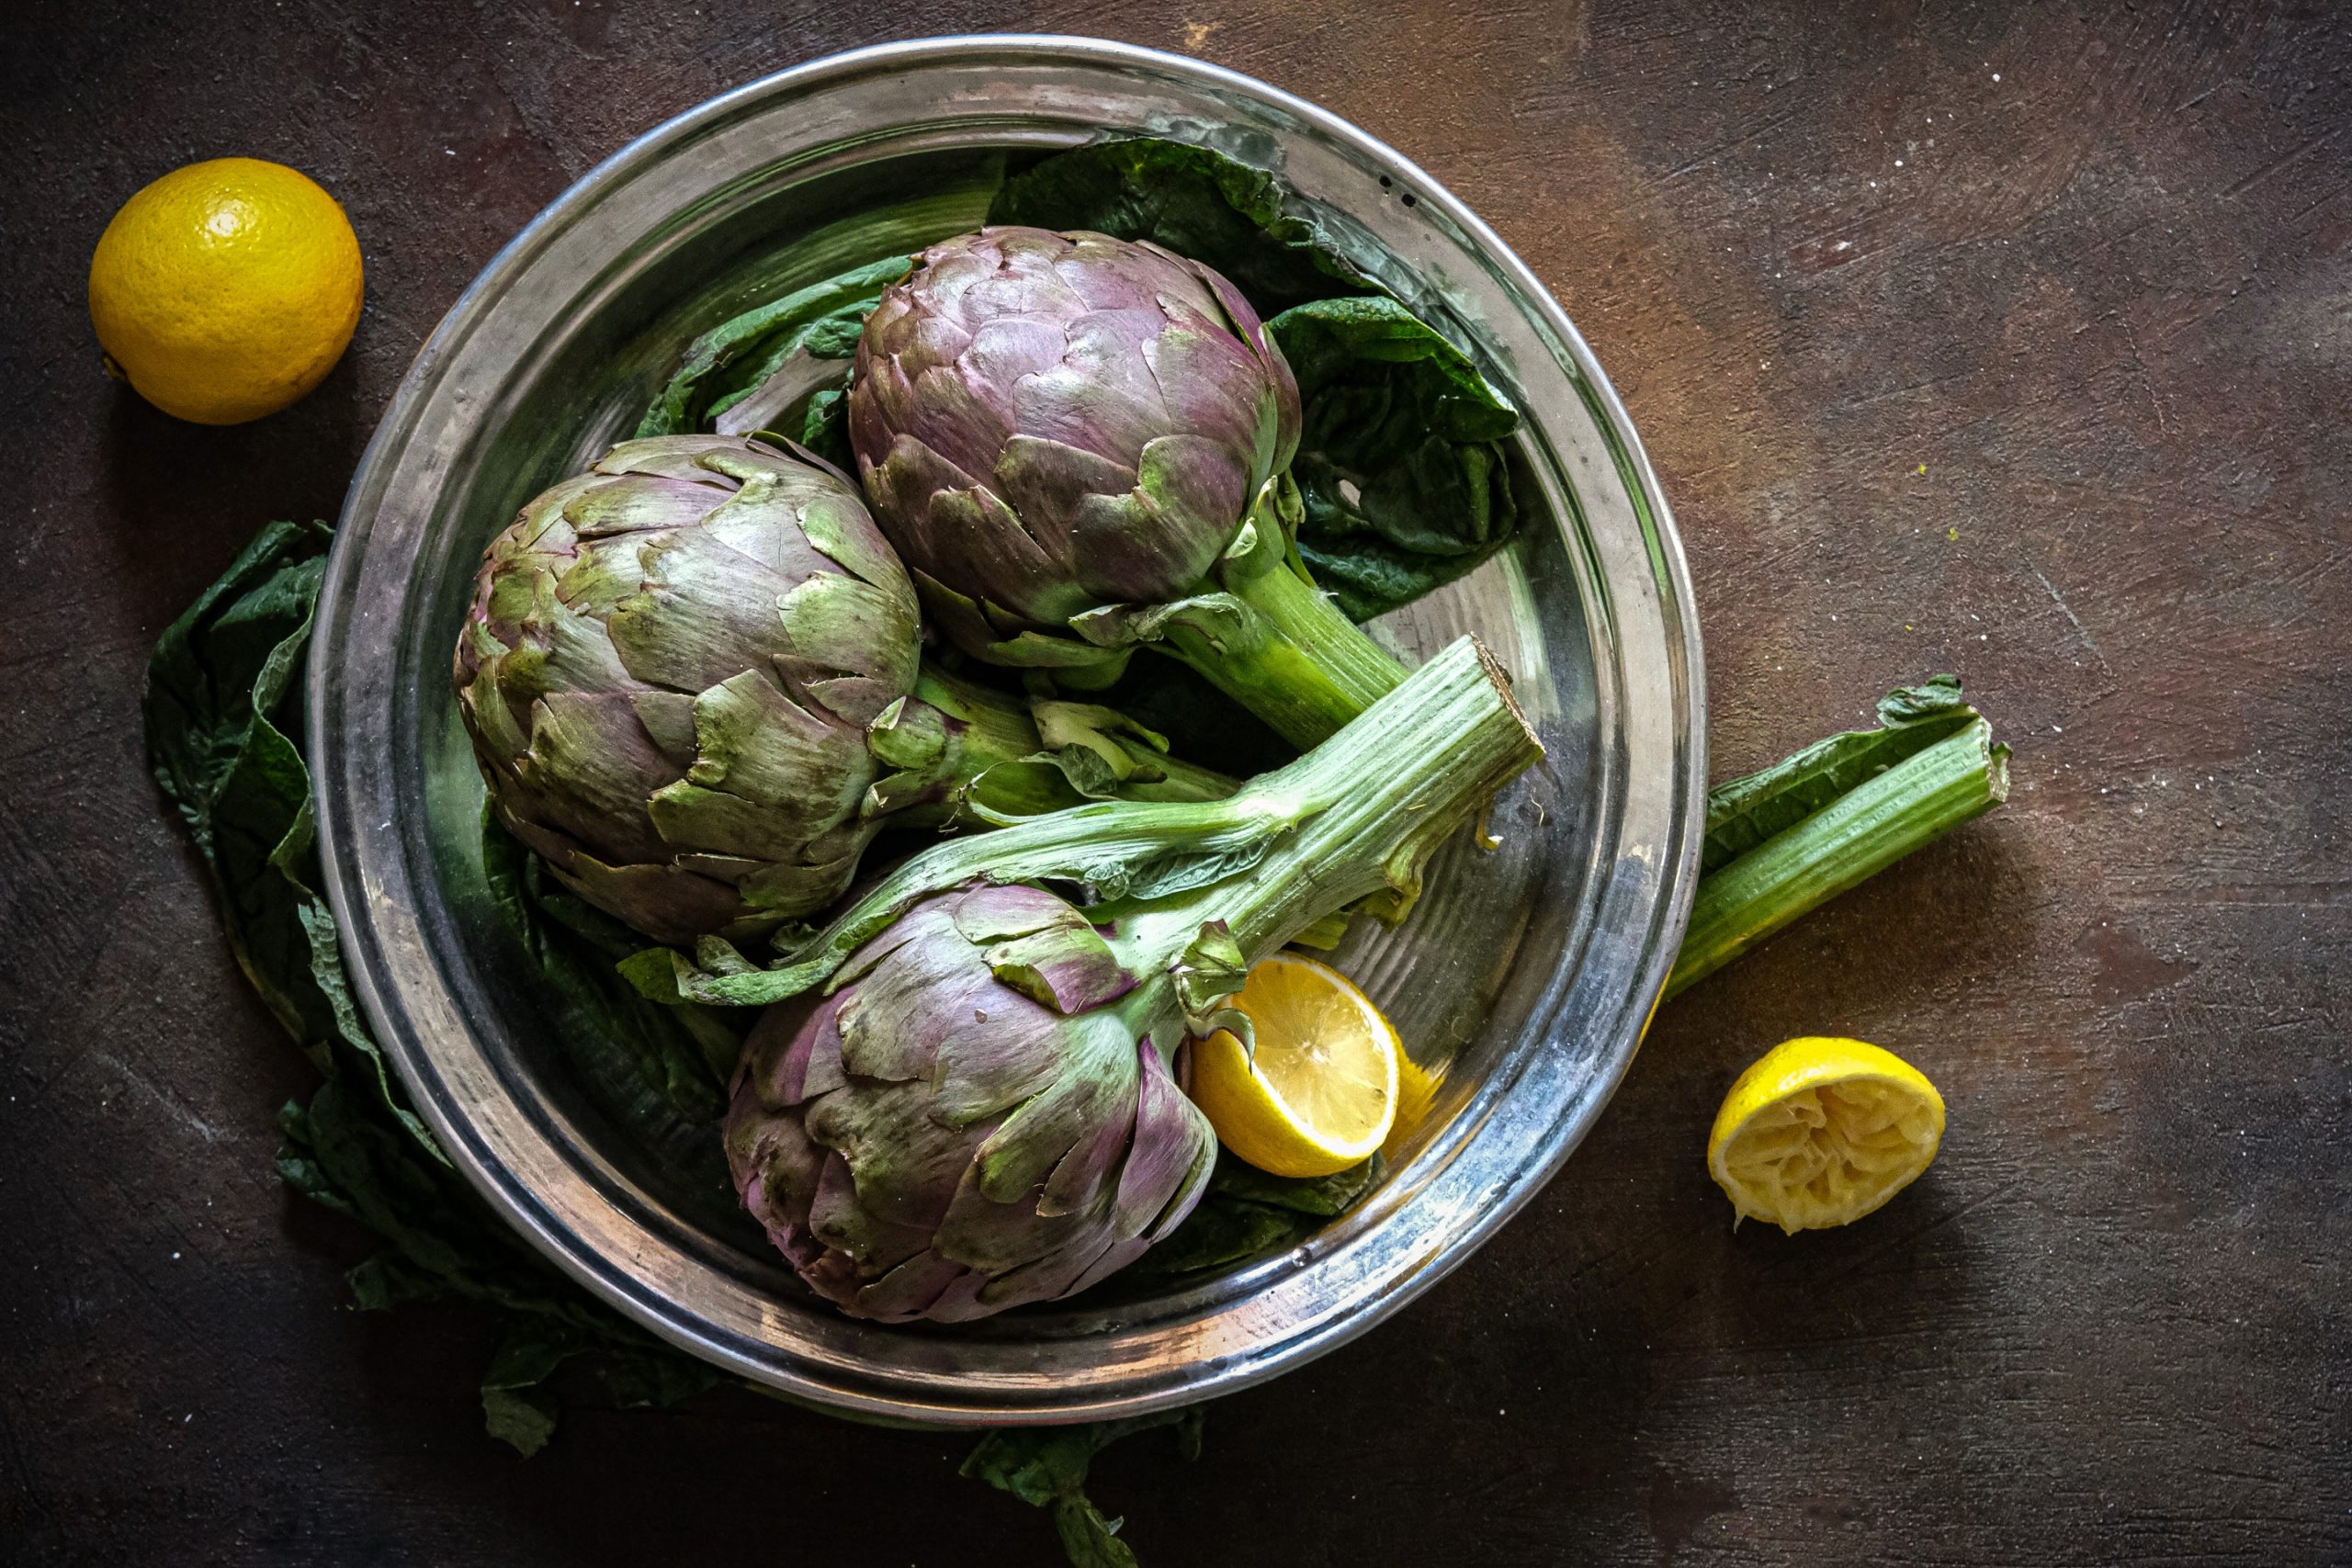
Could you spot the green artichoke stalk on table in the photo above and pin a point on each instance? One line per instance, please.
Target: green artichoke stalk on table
(976, 1110)
(1081, 444)
(694, 680)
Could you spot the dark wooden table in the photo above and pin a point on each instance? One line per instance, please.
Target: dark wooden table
(2013, 338)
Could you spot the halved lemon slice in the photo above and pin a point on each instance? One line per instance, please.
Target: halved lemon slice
(1820, 1131)
(1320, 1092)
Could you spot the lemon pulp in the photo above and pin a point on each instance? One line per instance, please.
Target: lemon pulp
(1820, 1131)
(1320, 1092)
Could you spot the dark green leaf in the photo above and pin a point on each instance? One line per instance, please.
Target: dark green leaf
(824, 430)
(1323, 1196)
(1197, 202)
(526, 1358)
(1033, 1464)
(222, 707)
(1404, 483)
(522, 1418)
(1047, 1467)
(222, 696)
(808, 301)
(388, 1281)
(201, 691)
(653, 1375)
(1333, 344)
(1089, 1539)
(1220, 1231)
(730, 361)
(651, 1068)
(1248, 1214)
(515, 1408)
(216, 675)
(1745, 812)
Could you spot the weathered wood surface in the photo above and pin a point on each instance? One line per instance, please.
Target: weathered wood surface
(2011, 339)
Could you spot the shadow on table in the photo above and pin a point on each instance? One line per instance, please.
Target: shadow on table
(182, 499)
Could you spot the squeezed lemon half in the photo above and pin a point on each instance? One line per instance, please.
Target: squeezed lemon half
(1320, 1092)
(1819, 1132)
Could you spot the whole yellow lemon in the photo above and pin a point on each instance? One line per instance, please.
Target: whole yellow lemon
(226, 289)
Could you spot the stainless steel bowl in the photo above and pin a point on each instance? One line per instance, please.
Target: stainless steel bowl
(1527, 975)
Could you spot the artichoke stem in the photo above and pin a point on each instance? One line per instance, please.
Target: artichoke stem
(1309, 672)
(1419, 768)
(1861, 834)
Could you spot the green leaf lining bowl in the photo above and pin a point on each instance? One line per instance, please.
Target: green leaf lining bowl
(1525, 977)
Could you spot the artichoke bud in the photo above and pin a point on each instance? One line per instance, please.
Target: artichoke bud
(667, 674)
(1054, 428)
(910, 734)
(1087, 737)
(1051, 423)
(974, 1118)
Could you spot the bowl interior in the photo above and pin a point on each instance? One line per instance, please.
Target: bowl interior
(1521, 979)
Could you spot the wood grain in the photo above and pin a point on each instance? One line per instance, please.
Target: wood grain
(2004, 338)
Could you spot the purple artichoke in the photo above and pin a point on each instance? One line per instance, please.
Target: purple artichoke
(1079, 445)
(1050, 423)
(668, 674)
(692, 675)
(966, 1124)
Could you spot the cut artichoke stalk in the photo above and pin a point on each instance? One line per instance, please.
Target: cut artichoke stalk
(967, 1104)
(1783, 842)
(1080, 446)
(692, 679)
